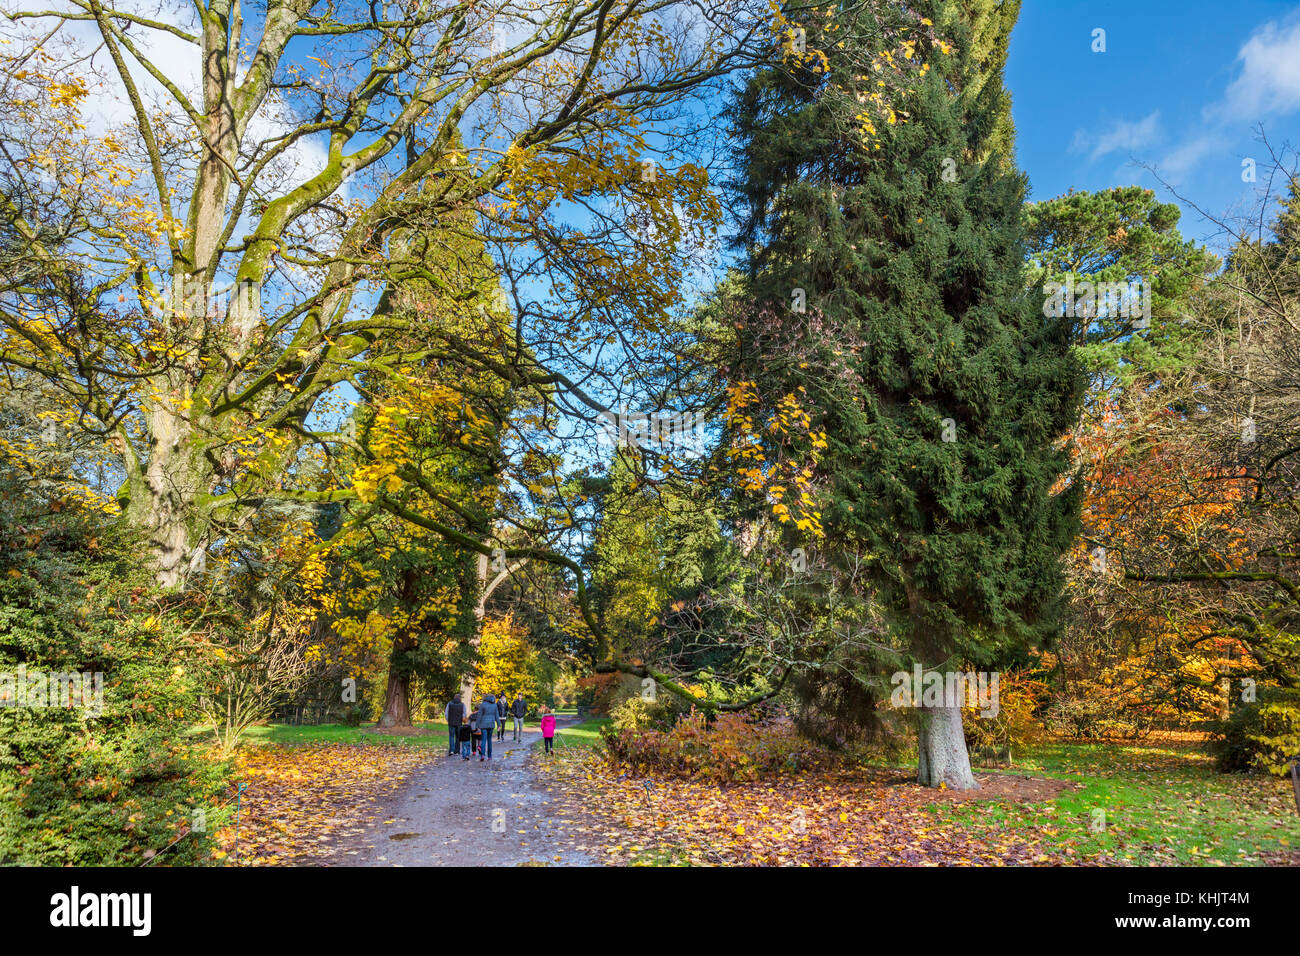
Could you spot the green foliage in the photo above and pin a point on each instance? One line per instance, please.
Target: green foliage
(653, 543)
(602, 692)
(636, 714)
(941, 388)
(543, 675)
(1119, 235)
(1263, 735)
(565, 688)
(75, 788)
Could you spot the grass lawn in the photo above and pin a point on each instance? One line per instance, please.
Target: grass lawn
(1148, 803)
(584, 735)
(1152, 803)
(343, 734)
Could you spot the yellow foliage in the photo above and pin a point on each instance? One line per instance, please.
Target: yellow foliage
(504, 658)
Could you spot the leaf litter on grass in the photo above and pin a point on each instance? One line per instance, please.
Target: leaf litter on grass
(848, 817)
(302, 803)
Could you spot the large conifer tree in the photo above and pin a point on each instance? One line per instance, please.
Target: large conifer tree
(877, 180)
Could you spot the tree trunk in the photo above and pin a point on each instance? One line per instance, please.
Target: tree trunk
(163, 493)
(397, 697)
(397, 701)
(480, 609)
(486, 588)
(941, 750)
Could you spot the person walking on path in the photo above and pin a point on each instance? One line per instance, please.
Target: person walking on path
(475, 733)
(548, 729)
(455, 716)
(466, 737)
(503, 708)
(518, 709)
(487, 717)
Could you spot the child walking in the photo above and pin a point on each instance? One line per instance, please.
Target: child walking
(548, 729)
(464, 737)
(476, 734)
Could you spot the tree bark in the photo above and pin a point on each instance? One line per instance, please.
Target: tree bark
(480, 609)
(162, 493)
(397, 701)
(397, 697)
(942, 759)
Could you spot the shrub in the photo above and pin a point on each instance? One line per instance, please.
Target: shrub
(636, 714)
(1020, 696)
(729, 749)
(598, 692)
(1263, 735)
(78, 788)
(1087, 710)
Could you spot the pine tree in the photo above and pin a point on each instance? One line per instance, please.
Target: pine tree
(942, 389)
(1122, 236)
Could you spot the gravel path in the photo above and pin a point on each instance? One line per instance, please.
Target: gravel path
(455, 812)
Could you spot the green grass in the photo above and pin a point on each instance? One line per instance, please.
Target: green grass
(667, 856)
(585, 735)
(1148, 803)
(291, 734)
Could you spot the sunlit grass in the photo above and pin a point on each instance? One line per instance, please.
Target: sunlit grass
(435, 734)
(1147, 803)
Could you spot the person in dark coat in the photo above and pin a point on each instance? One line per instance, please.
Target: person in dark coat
(503, 709)
(455, 715)
(517, 711)
(487, 719)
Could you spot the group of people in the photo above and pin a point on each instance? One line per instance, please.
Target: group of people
(473, 735)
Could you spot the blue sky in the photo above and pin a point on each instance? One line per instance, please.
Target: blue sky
(1181, 85)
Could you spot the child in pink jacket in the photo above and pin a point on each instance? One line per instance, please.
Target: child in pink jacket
(548, 729)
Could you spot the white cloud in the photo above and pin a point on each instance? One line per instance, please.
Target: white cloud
(1184, 156)
(1122, 136)
(1269, 82)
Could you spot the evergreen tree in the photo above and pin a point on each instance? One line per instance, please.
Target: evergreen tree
(425, 587)
(1122, 235)
(940, 386)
